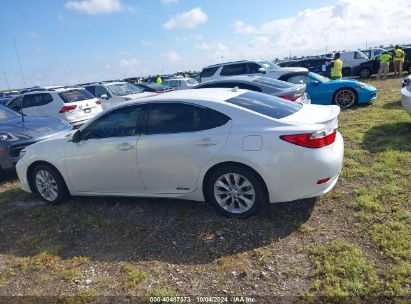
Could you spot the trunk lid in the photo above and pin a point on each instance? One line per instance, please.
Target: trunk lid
(316, 114)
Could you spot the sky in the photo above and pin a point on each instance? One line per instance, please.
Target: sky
(64, 42)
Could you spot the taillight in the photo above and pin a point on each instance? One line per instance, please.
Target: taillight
(67, 108)
(314, 140)
(98, 102)
(294, 98)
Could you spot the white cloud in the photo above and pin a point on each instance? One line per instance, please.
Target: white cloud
(189, 19)
(167, 2)
(172, 56)
(127, 62)
(348, 24)
(216, 46)
(95, 7)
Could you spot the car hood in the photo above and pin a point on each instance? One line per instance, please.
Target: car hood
(34, 127)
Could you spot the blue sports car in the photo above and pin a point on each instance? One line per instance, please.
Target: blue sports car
(17, 132)
(322, 90)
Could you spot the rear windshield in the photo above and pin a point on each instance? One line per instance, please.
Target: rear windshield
(273, 82)
(75, 95)
(265, 104)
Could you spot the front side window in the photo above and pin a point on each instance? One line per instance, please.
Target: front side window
(266, 104)
(166, 118)
(234, 69)
(299, 79)
(117, 123)
(123, 89)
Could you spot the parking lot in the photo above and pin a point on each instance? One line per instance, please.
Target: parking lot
(354, 241)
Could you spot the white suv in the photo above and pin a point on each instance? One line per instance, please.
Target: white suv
(75, 105)
(245, 67)
(114, 93)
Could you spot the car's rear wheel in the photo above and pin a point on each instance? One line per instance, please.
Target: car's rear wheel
(235, 191)
(365, 73)
(49, 184)
(345, 98)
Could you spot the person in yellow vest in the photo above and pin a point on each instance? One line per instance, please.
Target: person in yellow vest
(158, 80)
(398, 61)
(385, 59)
(336, 70)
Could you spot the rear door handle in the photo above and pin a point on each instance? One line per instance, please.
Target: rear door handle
(125, 147)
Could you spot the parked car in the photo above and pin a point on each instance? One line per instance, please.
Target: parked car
(32, 89)
(366, 69)
(245, 67)
(153, 87)
(111, 94)
(371, 53)
(317, 65)
(74, 105)
(406, 95)
(180, 83)
(343, 92)
(17, 132)
(7, 95)
(196, 145)
(266, 85)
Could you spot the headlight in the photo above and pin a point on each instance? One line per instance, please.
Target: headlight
(8, 137)
(363, 85)
(22, 153)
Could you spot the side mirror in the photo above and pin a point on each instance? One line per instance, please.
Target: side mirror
(76, 138)
(262, 70)
(315, 82)
(104, 96)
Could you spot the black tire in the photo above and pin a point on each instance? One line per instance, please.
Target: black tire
(345, 105)
(57, 183)
(365, 73)
(258, 187)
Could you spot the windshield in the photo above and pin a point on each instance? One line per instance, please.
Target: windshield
(6, 113)
(192, 82)
(318, 77)
(269, 65)
(266, 104)
(123, 89)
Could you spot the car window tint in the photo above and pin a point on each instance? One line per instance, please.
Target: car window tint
(234, 69)
(100, 90)
(265, 104)
(36, 100)
(166, 118)
(75, 95)
(91, 90)
(117, 123)
(208, 72)
(252, 68)
(16, 103)
(299, 79)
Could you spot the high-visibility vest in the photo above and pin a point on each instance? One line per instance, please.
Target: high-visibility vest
(385, 58)
(336, 70)
(159, 81)
(398, 55)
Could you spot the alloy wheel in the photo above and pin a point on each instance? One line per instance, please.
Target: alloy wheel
(345, 98)
(46, 185)
(234, 193)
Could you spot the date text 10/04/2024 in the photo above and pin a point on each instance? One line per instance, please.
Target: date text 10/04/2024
(205, 299)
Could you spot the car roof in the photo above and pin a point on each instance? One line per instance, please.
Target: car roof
(218, 95)
(234, 62)
(65, 89)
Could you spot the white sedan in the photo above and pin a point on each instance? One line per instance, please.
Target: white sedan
(406, 95)
(236, 149)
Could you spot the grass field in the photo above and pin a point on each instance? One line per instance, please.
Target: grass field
(352, 243)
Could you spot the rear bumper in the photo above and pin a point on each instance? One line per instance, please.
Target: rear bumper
(406, 99)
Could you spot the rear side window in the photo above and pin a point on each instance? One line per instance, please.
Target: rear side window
(208, 72)
(75, 95)
(36, 100)
(234, 69)
(265, 104)
(166, 118)
(91, 90)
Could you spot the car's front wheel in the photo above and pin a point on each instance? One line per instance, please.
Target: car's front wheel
(235, 191)
(365, 73)
(345, 98)
(49, 184)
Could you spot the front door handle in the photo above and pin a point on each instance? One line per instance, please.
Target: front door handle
(206, 143)
(125, 147)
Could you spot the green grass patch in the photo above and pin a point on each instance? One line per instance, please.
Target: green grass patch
(133, 276)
